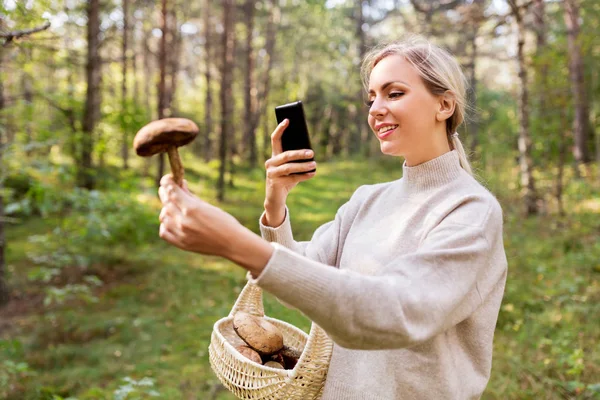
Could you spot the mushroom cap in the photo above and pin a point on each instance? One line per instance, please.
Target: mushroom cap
(158, 135)
(247, 352)
(274, 364)
(258, 333)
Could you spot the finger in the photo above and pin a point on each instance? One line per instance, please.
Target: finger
(175, 195)
(304, 177)
(162, 194)
(290, 168)
(167, 235)
(287, 156)
(173, 224)
(185, 187)
(276, 137)
(166, 180)
(167, 211)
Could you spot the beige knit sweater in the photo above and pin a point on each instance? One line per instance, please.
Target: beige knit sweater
(413, 300)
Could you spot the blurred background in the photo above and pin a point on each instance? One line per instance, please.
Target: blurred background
(96, 306)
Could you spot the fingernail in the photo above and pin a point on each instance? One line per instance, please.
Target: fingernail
(308, 153)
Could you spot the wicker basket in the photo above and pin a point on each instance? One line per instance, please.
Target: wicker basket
(249, 380)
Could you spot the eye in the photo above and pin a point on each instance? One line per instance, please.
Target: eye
(394, 95)
(368, 103)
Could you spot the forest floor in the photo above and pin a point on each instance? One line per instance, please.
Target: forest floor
(104, 309)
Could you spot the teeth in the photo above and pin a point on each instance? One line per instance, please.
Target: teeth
(387, 128)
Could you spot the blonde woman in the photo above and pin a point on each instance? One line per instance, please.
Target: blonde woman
(408, 278)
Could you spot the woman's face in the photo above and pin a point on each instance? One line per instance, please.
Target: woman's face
(403, 114)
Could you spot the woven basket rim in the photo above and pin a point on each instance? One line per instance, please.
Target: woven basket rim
(284, 373)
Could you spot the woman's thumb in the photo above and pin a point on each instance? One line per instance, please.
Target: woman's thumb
(184, 186)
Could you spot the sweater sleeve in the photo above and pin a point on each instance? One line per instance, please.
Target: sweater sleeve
(325, 242)
(419, 295)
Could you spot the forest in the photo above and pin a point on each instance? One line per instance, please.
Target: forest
(94, 305)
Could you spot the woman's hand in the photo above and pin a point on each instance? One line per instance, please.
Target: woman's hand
(194, 225)
(279, 169)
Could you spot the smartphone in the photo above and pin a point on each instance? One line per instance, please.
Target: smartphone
(295, 136)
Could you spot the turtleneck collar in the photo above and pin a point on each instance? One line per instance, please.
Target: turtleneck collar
(433, 173)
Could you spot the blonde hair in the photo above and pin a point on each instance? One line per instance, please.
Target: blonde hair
(440, 73)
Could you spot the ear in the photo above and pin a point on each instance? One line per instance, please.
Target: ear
(446, 106)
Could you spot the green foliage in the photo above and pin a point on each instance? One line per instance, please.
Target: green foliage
(136, 390)
(12, 371)
(69, 292)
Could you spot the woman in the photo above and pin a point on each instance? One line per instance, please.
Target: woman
(420, 267)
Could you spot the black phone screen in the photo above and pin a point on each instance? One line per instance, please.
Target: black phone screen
(295, 136)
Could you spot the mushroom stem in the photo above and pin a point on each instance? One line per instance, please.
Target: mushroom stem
(176, 167)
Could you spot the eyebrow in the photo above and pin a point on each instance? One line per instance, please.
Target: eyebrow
(388, 84)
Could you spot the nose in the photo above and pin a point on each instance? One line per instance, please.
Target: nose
(377, 109)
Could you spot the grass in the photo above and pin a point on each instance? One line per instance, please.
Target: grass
(156, 309)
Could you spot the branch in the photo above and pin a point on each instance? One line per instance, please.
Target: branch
(516, 8)
(10, 36)
(435, 7)
(69, 113)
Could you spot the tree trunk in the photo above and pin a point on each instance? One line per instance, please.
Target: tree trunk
(27, 86)
(562, 155)
(326, 138)
(208, 120)
(4, 293)
(539, 21)
(125, 144)
(360, 121)
(134, 60)
(338, 135)
(147, 33)
(226, 90)
(266, 142)
(92, 102)
(263, 95)
(250, 88)
(232, 135)
(162, 91)
(175, 54)
(476, 17)
(581, 125)
(525, 159)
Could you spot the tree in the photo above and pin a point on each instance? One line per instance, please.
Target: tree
(269, 57)
(249, 85)
(125, 144)
(4, 294)
(173, 60)
(85, 176)
(474, 18)
(581, 122)
(9, 39)
(208, 121)
(226, 91)
(360, 128)
(525, 159)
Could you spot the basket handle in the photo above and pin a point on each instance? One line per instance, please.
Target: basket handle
(319, 346)
(250, 300)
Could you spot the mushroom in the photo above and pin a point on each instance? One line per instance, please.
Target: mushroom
(274, 364)
(290, 356)
(258, 333)
(249, 353)
(277, 357)
(166, 135)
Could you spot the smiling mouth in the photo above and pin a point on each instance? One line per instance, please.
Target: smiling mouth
(386, 131)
